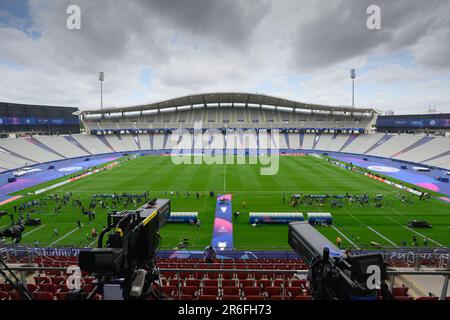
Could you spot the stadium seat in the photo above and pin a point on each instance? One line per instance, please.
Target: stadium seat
(272, 291)
(231, 291)
(169, 290)
(293, 291)
(61, 295)
(32, 287)
(264, 283)
(207, 297)
(193, 282)
(210, 291)
(189, 290)
(211, 282)
(48, 287)
(58, 280)
(4, 295)
(401, 291)
(43, 296)
(14, 295)
(246, 283)
(231, 297)
(303, 298)
(228, 283)
(39, 280)
(251, 291)
(255, 297)
(6, 287)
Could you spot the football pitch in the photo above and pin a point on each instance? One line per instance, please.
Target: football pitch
(358, 225)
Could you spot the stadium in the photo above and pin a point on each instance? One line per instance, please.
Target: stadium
(263, 183)
(332, 160)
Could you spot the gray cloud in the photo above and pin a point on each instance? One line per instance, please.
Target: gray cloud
(292, 48)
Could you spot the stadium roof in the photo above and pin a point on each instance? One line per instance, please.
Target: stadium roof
(229, 98)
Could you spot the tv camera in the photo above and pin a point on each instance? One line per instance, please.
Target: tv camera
(333, 274)
(124, 266)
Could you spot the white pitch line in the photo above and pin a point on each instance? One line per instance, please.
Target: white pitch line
(344, 236)
(67, 234)
(33, 230)
(424, 236)
(225, 177)
(391, 242)
(407, 228)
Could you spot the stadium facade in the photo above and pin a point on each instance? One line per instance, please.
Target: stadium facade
(231, 110)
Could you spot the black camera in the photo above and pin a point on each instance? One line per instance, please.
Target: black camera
(125, 262)
(333, 274)
(14, 232)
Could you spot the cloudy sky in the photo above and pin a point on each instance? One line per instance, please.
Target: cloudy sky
(159, 49)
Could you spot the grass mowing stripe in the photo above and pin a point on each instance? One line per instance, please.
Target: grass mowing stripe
(30, 232)
(67, 234)
(344, 236)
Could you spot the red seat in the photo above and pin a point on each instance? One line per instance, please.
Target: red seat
(230, 291)
(211, 283)
(185, 297)
(14, 295)
(303, 298)
(207, 297)
(43, 295)
(48, 287)
(4, 295)
(402, 291)
(189, 290)
(87, 287)
(246, 283)
(276, 297)
(272, 291)
(169, 290)
(6, 287)
(210, 291)
(58, 280)
(231, 297)
(298, 283)
(255, 297)
(32, 287)
(61, 295)
(278, 282)
(228, 283)
(242, 275)
(264, 283)
(39, 280)
(193, 282)
(293, 291)
(251, 291)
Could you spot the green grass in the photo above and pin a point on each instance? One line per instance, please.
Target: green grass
(305, 175)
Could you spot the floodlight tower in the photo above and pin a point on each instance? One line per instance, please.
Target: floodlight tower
(353, 76)
(101, 77)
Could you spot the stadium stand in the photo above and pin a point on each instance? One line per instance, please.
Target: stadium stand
(433, 151)
(301, 126)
